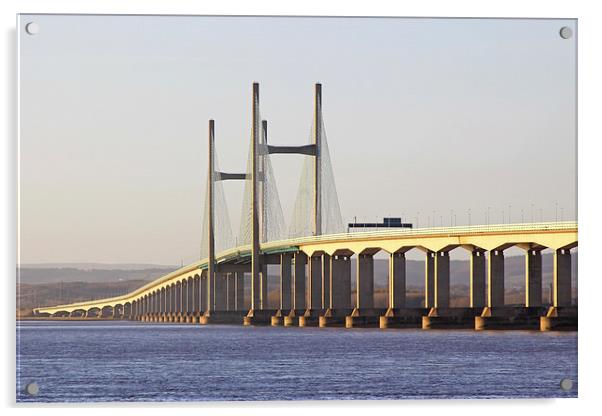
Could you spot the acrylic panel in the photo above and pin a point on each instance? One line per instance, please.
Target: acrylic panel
(296, 208)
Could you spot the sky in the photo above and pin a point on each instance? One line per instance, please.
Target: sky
(428, 119)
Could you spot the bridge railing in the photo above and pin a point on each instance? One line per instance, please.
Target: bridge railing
(431, 231)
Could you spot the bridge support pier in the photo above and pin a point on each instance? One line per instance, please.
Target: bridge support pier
(196, 298)
(291, 319)
(204, 290)
(314, 308)
(315, 282)
(189, 300)
(441, 279)
(493, 313)
(495, 279)
(365, 281)
(396, 291)
(240, 291)
(478, 273)
(220, 292)
(340, 282)
(285, 281)
(448, 318)
(429, 279)
(300, 261)
(277, 319)
(397, 280)
(285, 290)
(533, 283)
(561, 315)
(231, 290)
(263, 283)
(562, 278)
(364, 314)
(312, 313)
(326, 275)
(339, 305)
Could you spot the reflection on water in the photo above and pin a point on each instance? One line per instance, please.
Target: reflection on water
(131, 361)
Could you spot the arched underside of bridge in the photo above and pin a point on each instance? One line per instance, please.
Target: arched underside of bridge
(316, 273)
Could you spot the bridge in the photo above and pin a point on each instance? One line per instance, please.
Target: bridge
(314, 258)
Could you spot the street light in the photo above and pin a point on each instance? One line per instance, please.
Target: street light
(561, 213)
(532, 205)
(522, 216)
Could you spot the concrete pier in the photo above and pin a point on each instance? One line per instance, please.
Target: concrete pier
(259, 317)
(310, 317)
(562, 318)
(315, 282)
(161, 304)
(364, 318)
(441, 279)
(450, 318)
(196, 297)
(397, 280)
(334, 317)
(285, 281)
(340, 282)
(220, 292)
(300, 262)
(478, 279)
(231, 292)
(533, 287)
(292, 318)
(429, 279)
(277, 319)
(240, 291)
(495, 279)
(402, 318)
(561, 279)
(263, 283)
(204, 294)
(178, 294)
(509, 317)
(365, 282)
(190, 297)
(326, 281)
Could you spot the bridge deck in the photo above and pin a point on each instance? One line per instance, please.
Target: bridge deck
(554, 235)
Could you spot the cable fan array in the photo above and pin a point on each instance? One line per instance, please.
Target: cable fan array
(272, 226)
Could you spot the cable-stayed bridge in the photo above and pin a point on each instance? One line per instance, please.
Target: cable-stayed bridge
(314, 256)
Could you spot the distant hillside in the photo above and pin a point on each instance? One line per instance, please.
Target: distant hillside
(74, 274)
(96, 266)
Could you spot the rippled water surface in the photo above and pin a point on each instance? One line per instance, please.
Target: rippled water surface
(131, 361)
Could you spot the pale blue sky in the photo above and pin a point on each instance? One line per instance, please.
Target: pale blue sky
(421, 115)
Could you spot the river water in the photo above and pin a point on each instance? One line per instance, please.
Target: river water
(131, 361)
